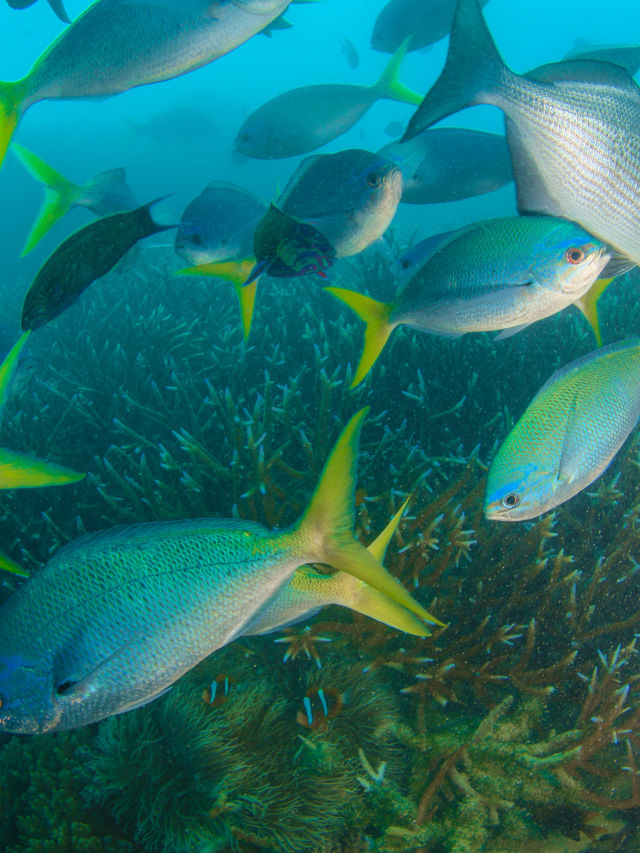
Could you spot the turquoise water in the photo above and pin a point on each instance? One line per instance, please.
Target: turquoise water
(515, 727)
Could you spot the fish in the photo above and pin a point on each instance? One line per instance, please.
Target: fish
(287, 247)
(219, 224)
(20, 470)
(180, 126)
(573, 129)
(319, 705)
(627, 56)
(218, 691)
(116, 45)
(568, 435)
(116, 617)
(350, 53)
(56, 6)
(497, 274)
(448, 164)
(422, 22)
(350, 197)
(303, 119)
(104, 193)
(308, 591)
(85, 256)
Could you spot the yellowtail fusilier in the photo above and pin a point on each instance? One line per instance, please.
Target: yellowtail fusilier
(115, 45)
(105, 193)
(423, 22)
(303, 119)
(89, 253)
(568, 435)
(309, 590)
(497, 274)
(573, 128)
(114, 618)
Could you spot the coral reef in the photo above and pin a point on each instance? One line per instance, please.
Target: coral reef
(514, 728)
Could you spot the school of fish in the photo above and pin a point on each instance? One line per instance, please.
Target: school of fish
(115, 617)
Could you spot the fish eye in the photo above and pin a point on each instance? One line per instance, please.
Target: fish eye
(196, 238)
(404, 263)
(373, 179)
(510, 500)
(574, 255)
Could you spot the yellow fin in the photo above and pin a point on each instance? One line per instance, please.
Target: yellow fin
(11, 110)
(237, 273)
(8, 565)
(59, 195)
(377, 316)
(19, 471)
(325, 532)
(588, 304)
(9, 365)
(388, 86)
(380, 544)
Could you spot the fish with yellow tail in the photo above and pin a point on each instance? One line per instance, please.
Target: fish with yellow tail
(309, 590)
(19, 470)
(568, 435)
(115, 45)
(56, 6)
(501, 274)
(104, 193)
(116, 617)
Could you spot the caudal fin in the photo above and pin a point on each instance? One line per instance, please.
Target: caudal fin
(11, 110)
(59, 194)
(377, 316)
(9, 365)
(389, 86)
(588, 304)
(8, 565)
(19, 471)
(235, 272)
(324, 534)
(472, 73)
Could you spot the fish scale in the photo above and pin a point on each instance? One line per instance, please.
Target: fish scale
(568, 435)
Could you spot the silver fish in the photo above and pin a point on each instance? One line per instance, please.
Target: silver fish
(573, 129)
(422, 21)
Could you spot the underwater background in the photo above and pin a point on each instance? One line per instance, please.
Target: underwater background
(515, 728)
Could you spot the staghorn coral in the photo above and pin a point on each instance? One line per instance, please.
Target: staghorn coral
(145, 383)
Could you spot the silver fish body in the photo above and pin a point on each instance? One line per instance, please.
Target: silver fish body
(116, 617)
(568, 434)
(573, 129)
(350, 197)
(219, 224)
(118, 44)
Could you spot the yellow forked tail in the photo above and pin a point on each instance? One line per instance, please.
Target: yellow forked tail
(11, 110)
(9, 365)
(59, 194)
(377, 316)
(237, 273)
(8, 565)
(324, 534)
(388, 86)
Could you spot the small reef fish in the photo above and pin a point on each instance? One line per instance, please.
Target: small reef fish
(308, 591)
(449, 164)
(85, 256)
(56, 6)
(287, 247)
(350, 52)
(573, 129)
(301, 120)
(116, 617)
(497, 274)
(568, 434)
(626, 56)
(319, 705)
(115, 45)
(218, 691)
(423, 22)
(18, 470)
(219, 224)
(107, 192)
